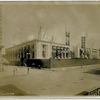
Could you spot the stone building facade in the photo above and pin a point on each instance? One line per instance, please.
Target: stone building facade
(38, 49)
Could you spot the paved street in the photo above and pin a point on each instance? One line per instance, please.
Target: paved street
(51, 82)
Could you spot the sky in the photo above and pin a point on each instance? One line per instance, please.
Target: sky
(21, 22)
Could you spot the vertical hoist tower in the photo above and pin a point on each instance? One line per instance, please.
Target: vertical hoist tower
(83, 46)
(67, 38)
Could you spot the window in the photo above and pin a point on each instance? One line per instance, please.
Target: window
(33, 51)
(28, 52)
(67, 52)
(21, 53)
(24, 52)
(53, 51)
(44, 50)
(58, 52)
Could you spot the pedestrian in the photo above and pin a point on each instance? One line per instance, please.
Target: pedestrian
(14, 71)
(28, 70)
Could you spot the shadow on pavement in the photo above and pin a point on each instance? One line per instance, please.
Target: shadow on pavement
(94, 71)
(11, 90)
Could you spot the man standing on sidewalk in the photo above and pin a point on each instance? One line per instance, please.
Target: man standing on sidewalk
(27, 70)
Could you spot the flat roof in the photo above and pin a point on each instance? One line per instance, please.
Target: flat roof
(50, 42)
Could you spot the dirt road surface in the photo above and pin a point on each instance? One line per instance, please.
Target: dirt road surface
(63, 82)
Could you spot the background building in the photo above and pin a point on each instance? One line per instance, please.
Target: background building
(84, 52)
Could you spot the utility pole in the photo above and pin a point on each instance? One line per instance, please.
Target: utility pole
(83, 47)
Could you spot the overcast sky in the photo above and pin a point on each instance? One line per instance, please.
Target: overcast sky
(21, 22)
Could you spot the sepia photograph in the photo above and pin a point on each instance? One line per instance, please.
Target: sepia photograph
(50, 49)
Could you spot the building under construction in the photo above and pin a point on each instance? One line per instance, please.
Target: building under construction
(40, 53)
(84, 52)
(37, 51)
